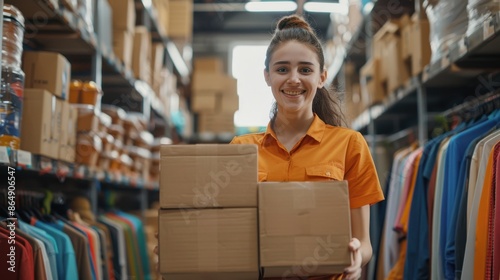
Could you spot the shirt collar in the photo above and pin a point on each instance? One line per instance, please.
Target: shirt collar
(315, 131)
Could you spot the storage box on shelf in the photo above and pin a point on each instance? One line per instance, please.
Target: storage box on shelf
(141, 56)
(180, 19)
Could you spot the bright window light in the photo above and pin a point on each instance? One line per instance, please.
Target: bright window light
(320, 7)
(271, 6)
(255, 96)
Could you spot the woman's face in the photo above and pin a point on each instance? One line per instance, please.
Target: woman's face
(294, 76)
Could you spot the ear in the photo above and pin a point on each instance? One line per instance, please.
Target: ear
(322, 78)
(266, 77)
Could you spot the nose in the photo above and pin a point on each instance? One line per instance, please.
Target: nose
(293, 78)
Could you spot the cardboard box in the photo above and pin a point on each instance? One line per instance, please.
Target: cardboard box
(398, 73)
(57, 123)
(213, 101)
(204, 81)
(37, 121)
(72, 125)
(208, 64)
(201, 176)
(87, 119)
(47, 70)
(372, 90)
(229, 103)
(208, 244)
(157, 57)
(421, 47)
(141, 56)
(64, 131)
(180, 18)
(406, 41)
(304, 228)
(216, 122)
(205, 101)
(123, 14)
(123, 41)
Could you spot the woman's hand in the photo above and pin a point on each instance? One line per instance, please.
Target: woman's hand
(353, 272)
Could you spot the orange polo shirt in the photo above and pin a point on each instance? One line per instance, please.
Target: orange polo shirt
(325, 153)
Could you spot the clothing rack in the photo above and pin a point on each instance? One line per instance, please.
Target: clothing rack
(479, 101)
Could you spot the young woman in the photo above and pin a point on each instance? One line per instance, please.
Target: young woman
(304, 140)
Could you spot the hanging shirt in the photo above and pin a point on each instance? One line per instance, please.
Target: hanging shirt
(391, 248)
(39, 264)
(141, 239)
(470, 246)
(119, 247)
(437, 271)
(49, 242)
(67, 269)
(81, 247)
(456, 151)
(23, 268)
(496, 225)
(397, 271)
(461, 206)
(483, 253)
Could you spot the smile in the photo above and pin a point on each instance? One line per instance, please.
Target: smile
(293, 93)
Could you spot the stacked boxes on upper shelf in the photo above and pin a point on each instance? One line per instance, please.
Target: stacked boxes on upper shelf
(208, 222)
(48, 122)
(180, 19)
(214, 96)
(401, 49)
(123, 30)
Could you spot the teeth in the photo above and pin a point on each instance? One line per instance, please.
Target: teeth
(293, 92)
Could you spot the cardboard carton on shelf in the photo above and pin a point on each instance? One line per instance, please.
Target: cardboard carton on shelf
(47, 70)
(372, 89)
(141, 55)
(208, 64)
(123, 14)
(421, 47)
(39, 107)
(123, 41)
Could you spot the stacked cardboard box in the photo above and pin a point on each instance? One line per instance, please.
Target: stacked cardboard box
(208, 217)
(401, 49)
(162, 14)
(123, 30)
(304, 228)
(180, 19)
(48, 122)
(208, 220)
(214, 96)
(141, 55)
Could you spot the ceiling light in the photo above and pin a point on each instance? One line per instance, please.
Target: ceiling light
(321, 7)
(271, 6)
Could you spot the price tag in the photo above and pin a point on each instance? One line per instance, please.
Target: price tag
(24, 158)
(4, 155)
(488, 29)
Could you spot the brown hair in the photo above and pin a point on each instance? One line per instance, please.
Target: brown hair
(294, 28)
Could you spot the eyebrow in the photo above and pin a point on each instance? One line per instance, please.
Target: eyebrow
(288, 62)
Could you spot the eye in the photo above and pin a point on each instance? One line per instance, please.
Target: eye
(281, 70)
(306, 70)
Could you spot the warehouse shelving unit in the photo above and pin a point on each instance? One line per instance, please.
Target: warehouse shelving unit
(469, 67)
(52, 27)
